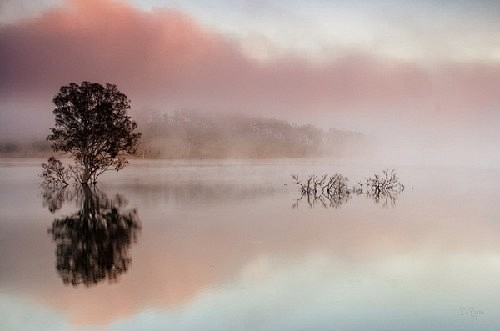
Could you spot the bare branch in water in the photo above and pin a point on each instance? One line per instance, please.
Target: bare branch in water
(333, 191)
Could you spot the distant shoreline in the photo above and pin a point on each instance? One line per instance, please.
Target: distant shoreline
(198, 136)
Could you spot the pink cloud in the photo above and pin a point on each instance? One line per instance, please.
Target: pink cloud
(164, 57)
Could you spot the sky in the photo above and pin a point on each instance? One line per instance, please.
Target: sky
(403, 71)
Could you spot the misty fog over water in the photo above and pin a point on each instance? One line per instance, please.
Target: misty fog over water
(390, 141)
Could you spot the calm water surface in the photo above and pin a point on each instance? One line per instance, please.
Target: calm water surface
(219, 247)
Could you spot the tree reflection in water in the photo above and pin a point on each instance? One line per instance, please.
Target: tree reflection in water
(92, 244)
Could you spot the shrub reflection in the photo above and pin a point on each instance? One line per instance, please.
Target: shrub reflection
(92, 244)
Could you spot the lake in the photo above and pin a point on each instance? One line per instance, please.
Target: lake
(229, 245)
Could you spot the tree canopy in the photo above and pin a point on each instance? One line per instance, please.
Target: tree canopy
(92, 126)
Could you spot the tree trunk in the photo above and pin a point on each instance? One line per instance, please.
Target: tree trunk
(86, 176)
(88, 205)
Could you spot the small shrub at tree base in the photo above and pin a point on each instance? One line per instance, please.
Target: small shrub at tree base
(54, 174)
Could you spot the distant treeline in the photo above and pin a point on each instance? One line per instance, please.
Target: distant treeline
(190, 134)
(18, 148)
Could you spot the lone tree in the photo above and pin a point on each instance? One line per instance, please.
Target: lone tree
(93, 127)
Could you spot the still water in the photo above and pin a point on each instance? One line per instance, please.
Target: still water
(211, 245)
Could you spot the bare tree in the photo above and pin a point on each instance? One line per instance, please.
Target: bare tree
(333, 191)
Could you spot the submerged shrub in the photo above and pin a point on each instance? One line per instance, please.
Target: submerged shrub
(333, 190)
